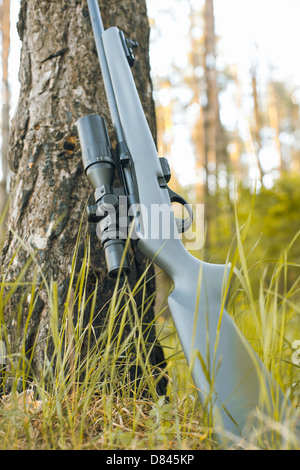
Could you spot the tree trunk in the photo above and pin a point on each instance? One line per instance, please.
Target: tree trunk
(210, 117)
(211, 108)
(61, 82)
(274, 124)
(5, 33)
(198, 137)
(257, 123)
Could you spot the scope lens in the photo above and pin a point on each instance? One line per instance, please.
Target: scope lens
(96, 151)
(94, 140)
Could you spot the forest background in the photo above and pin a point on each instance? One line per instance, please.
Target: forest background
(228, 116)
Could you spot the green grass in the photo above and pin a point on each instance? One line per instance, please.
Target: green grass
(89, 402)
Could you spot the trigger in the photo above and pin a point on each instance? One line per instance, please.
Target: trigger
(182, 224)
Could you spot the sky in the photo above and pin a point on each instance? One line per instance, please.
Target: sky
(266, 32)
(244, 28)
(269, 28)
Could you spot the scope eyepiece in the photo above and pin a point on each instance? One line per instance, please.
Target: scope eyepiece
(99, 167)
(115, 259)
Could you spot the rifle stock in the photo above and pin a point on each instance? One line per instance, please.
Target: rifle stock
(230, 378)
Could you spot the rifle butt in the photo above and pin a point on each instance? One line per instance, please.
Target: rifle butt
(231, 380)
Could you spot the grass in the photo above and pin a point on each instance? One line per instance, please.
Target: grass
(89, 402)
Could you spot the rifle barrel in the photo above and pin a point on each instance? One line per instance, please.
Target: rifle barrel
(98, 30)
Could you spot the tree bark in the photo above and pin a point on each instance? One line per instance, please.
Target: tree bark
(210, 117)
(211, 108)
(61, 82)
(5, 33)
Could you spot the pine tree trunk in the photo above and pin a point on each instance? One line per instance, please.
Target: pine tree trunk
(214, 135)
(210, 118)
(5, 33)
(61, 82)
(211, 109)
(257, 123)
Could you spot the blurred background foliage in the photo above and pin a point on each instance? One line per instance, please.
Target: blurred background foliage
(240, 136)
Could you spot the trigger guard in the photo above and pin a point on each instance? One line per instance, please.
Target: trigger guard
(182, 224)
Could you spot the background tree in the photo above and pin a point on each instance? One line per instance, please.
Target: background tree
(5, 33)
(214, 148)
(258, 122)
(61, 82)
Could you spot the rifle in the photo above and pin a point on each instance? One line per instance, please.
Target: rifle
(230, 378)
